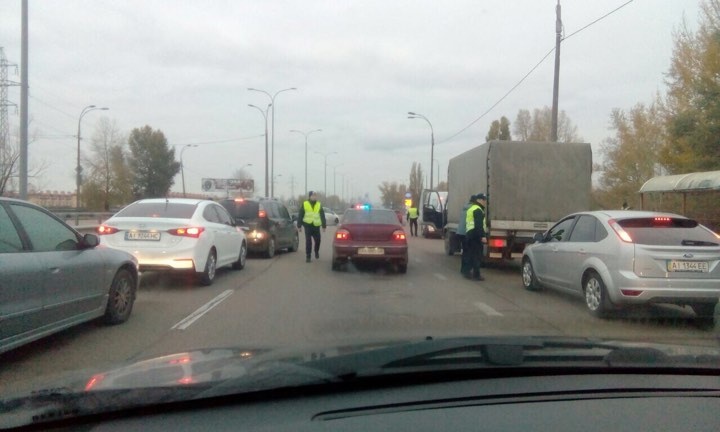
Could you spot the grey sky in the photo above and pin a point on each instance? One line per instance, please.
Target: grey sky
(184, 67)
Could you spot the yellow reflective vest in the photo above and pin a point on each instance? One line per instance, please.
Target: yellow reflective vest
(470, 218)
(312, 213)
(413, 213)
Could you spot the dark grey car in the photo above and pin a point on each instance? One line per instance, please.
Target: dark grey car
(270, 226)
(52, 277)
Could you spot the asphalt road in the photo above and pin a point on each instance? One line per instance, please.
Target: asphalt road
(285, 301)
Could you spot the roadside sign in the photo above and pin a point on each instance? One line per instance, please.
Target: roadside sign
(217, 185)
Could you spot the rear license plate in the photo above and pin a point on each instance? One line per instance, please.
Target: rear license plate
(142, 235)
(371, 251)
(688, 266)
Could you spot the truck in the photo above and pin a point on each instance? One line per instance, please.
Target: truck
(529, 186)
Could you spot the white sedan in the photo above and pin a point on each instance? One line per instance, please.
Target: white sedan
(177, 234)
(331, 218)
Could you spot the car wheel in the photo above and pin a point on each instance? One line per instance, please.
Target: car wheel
(596, 295)
(121, 297)
(705, 314)
(295, 243)
(270, 251)
(337, 221)
(528, 276)
(402, 267)
(208, 276)
(240, 263)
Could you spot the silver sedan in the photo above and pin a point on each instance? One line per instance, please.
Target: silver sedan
(615, 258)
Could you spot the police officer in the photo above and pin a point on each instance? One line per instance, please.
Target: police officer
(476, 234)
(312, 217)
(412, 217)
(465, 265)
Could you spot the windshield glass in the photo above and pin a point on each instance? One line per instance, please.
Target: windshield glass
(487, 169)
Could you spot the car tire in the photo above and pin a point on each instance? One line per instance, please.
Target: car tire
(596, 297)
(270, 250)
(402, 267)
(337, 221)
(121, 297)
(207, 277)
(529, 278)
(705, 314)
(295, 243)
(242, 258)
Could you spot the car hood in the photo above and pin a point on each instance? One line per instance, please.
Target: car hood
(208, 373)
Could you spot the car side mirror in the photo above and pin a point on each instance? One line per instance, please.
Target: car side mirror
(89, 241)
(538, 237)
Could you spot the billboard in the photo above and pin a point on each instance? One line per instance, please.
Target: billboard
(222, 185)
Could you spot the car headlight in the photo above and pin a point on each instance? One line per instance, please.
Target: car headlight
(257, 235)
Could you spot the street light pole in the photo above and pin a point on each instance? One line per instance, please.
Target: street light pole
(272, 145)
(182, 165)
(326, 156)
(413, 115)
(305, 134)
(78, 168)
(265, 114)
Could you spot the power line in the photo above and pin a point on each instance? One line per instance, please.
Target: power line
(530, 72)
(222, 141)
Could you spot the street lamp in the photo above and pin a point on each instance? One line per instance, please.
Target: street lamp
(438, 169)
(182, 166)
(264, 114)
(335, 177)
(305, 134)
(412, 115)
(78, 168)
(326, 156)
(272, 145)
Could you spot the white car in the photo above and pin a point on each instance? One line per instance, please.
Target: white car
(331, 218)
(177, 234)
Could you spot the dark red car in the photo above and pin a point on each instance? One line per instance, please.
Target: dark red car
(370, 235)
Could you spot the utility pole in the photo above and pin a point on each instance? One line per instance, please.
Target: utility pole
(4, 121)
(556, 81)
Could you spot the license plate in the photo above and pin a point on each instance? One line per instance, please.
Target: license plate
(371, 251)
(142, 235)
(688, 266)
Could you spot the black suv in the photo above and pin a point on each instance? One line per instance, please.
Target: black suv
(269, 224)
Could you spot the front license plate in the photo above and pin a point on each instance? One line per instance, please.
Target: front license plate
(142, 235)
(688, 266)
(371, 251)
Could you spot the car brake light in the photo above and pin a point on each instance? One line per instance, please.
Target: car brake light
(106, 230)
(239, 200)
(342, 234)
(262, 213)
(95, 380)
(631, 293)
(498, 243)
(662, 220)
(624, 236)
(193, 232)
(399, 235)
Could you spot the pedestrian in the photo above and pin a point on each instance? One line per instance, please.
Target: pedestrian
(412, 217)
(476, 225)
(465, 265)
(312, 217)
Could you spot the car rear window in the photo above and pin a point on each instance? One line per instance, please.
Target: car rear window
(668, 231)
(158, 210)
(242, 209)
(370, 216)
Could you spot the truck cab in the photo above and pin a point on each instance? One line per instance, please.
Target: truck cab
(432, 213)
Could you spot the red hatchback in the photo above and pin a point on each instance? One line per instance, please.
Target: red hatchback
(370, 235)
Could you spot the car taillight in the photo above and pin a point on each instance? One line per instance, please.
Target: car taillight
(95, 380)
(661, 221)
(624, 236)
(399, 235)
(342, 234)
(193, 232)
(106, 230)
(262, 213)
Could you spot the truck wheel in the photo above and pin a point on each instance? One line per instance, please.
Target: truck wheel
(449, 249)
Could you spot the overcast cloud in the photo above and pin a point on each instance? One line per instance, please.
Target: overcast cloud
(184, 67)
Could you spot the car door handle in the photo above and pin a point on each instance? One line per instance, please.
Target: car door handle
(54, 270)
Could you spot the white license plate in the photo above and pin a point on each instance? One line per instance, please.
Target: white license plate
(142, 235)
(688, 266)
(371, 251)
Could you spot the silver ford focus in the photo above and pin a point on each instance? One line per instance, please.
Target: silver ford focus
(615, 258)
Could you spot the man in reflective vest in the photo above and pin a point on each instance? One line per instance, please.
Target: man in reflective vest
(476, 226)
(412, 217)
(312, 217)
(465, 264)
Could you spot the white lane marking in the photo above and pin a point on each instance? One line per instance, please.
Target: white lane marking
(440, 276)
(486, 309)
(202, 310)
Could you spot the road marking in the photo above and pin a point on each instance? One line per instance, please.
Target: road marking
(440, 276)
(486, 309)
(202, 310)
